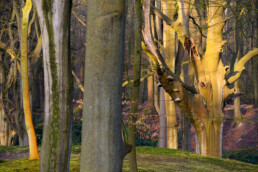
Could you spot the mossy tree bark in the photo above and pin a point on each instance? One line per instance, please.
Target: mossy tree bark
(102, 145)
(203, 103)
(25, 82)
(54, 17)
(136, 84)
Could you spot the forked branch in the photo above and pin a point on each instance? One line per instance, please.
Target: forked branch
(240, 65)
(154, 53)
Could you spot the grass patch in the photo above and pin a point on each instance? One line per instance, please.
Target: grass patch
(149, 159)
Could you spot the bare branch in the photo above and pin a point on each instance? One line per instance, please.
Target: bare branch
(78, 81)
(35, 53)
(142, 79)
(199, 28)
(158, 13)
(78, 18)
(155, 52)
(240, 65)
(10, 51)
(32, 20)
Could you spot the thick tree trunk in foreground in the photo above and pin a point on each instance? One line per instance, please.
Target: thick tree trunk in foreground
(102, 146)
(54, 17)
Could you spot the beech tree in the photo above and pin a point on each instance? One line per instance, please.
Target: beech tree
(54, 17)
(203, 102)
(102, 145)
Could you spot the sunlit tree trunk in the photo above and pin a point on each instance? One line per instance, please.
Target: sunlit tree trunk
(150, 89)
(169, 41)
(102, 146)
(25, 82)
(203, 103)
(54, 17)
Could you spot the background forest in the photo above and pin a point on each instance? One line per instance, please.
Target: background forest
(175, 74)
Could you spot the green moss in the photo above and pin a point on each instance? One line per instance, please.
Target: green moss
(54, 119)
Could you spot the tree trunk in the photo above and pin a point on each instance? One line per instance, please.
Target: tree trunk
(5, 129)
(150, 88)
(170, 57)
(54, 17)
(255, 65)
(203, 103)
(163, 121)
(237, 111)
(136, 83)
(210, 137)
(25, 82)
(102, 146)
(185, 121)
(186, 133)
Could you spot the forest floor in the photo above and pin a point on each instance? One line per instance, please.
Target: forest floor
(149, 159)
(236, 135)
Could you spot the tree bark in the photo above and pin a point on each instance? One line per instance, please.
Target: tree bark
(203, 103)
(163, 120)
(210, 137)
(255, 65)
(150, 88)
(6, 132)
(54, 17)
(102, 146)
(25, 82)
(136, 84)
(169, 41)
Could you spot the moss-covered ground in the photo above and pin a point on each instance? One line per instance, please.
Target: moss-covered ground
(149, 159)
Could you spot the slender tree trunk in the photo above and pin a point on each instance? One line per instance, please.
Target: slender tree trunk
(102, 146)
(54, 17)
(136, 84)
(170, 57)
(237, 111)
(25, 82)
(185, 122)
(186, 130)
(255, 65)
(163, 121)
(150, 88)
(5, 129)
